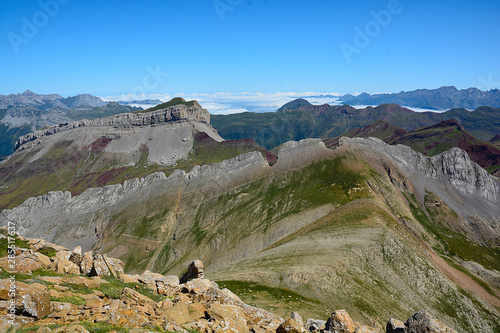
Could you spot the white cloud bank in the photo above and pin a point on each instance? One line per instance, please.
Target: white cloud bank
(230, 103)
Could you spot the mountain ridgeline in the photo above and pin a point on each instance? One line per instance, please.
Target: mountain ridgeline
(443, 98)
(380, 230)
(298, 120)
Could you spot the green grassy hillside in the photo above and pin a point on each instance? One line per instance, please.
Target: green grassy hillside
(329, 235)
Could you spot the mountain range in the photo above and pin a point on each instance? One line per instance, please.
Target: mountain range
(23, 113)
(300, 119)
(443, 98)
(431, 140)
(45, 102)
(380, 230)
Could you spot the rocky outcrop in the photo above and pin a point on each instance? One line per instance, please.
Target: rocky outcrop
(122, 121)
(453, 166)
(296, 154)
(196, 305)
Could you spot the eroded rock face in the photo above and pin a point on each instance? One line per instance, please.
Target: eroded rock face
(124, 120)
(454, 164)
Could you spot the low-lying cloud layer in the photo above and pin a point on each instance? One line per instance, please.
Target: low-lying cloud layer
(229, 103)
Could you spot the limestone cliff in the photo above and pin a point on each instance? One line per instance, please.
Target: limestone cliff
(124, 120)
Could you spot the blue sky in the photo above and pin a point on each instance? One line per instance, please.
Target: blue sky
(127, 47)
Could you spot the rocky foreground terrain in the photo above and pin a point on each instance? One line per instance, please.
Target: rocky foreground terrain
(52, 289)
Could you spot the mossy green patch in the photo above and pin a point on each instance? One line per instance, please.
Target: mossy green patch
(173, 102)
(280, 301)
(76, 300)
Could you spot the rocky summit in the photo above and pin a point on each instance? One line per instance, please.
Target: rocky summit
(67, 291)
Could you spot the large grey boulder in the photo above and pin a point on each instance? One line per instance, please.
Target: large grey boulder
(424, 322)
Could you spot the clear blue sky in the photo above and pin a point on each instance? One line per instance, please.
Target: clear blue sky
(105, 47)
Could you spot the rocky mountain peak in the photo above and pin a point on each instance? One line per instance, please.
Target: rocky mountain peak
(28, 93)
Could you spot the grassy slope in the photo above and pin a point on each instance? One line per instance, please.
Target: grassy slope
(379, 129)
(172, 102)
(359, 252)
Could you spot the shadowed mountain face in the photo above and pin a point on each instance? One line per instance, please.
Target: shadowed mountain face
(379, 230)
(431, 140)
(380, 129)
(298, 120)
(438, 99)
(438, 138)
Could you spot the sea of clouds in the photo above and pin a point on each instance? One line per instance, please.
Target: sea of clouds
(229, 103)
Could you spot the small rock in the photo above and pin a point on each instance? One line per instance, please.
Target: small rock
(340, 322)
(86, 263)
(199, 286)
(423, 321)
(76, 255)
(67, 267)
(167, 285)
(314, 324)
(195, 271)
(298, 319)
(149, 279)
(178, 314)
(99, 266)
(290, 326)
(365, 329)
(133, 298)
(129, 278)
(395, 326)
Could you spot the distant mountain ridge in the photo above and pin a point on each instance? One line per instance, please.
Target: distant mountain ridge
(45, 102)
(23, 113)
(436, 99)
(297, 121)
(141, 101)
